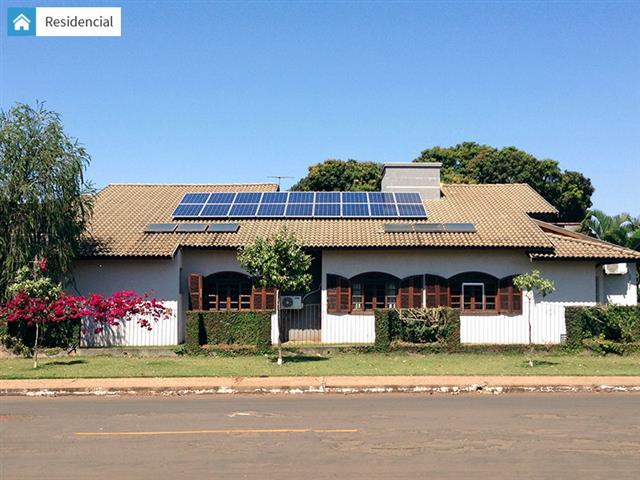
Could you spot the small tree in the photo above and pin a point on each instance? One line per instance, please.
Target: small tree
(277, 262)
(532, 283)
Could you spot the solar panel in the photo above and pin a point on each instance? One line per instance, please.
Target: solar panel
(223, 228)
(354, 197)
(274, 197)
(383, 210)
(271, 210)
(398, 227)
(160, 228)
(411, 210)
(429, 227)
(187, 210)
(304, 205)
(327, 197)
(221, 198)
(195, 198)
(404, 197)
(243, 210)
(248, 197)
(191, 227)
(381, 197)
(355, 210)
(327, 210)
(460, 227)
(299, 210)
(215, 210)
(301, 197)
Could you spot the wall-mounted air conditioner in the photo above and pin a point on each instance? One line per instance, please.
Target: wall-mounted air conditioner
(291, 302)
(615, 269)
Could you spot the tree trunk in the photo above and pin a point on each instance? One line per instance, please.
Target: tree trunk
(529, 301)
(35, 347)
(280, 361)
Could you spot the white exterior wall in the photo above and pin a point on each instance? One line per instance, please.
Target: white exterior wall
(621, 289)
(574, 280)
(109, 275)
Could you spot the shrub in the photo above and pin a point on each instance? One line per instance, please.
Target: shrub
(613, 322)
(228, 328)
(52, 335)
(603, 346)
(439, 326)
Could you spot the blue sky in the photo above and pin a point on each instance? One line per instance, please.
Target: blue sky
(236, 92)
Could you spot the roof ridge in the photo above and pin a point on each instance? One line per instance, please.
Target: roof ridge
(202, 184)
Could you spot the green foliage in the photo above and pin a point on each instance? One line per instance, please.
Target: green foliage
(277, 262)
(616, 323)
(469, 162)
(228, 328)
(30, 281)
(45, 203)
(14, 345)
(340, 175)
(52, 335)
(622, 229)
(534, 282)
(439, 325)
(603, 346)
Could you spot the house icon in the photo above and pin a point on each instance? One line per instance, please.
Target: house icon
(21, 23)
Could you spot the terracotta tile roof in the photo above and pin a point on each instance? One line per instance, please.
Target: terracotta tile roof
(499, 212)
(572, 245)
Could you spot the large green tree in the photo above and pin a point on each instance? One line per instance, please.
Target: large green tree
(341, 175)
(470, 162)
(45, 202)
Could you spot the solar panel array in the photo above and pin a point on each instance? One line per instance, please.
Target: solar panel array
(301, 205)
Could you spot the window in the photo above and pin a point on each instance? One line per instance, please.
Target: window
(370, 291)
(230, 291)
(338, 294)
(410, 292)
(436, 291)
(474, 291)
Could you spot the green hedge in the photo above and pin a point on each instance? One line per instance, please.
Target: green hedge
(610, 322)
(228, 328)
(439, 326)
(52, 335)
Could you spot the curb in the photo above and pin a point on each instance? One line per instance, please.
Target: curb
(316, 385)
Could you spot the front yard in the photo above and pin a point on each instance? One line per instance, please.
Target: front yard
(334, 364)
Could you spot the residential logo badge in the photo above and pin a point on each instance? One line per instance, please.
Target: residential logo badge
(21, 21)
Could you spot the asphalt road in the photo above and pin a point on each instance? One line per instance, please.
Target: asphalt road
(557, 436)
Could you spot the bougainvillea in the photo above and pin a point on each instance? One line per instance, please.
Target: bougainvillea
(36, 300)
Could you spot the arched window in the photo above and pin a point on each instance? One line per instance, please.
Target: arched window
(509, 297)
(474, 291)
(436, 291)
(228, 291)
(373, 290)
(410, 292)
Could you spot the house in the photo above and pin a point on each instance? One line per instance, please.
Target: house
(416, 243)
(21, 23)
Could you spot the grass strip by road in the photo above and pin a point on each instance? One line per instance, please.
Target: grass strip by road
(364, 364)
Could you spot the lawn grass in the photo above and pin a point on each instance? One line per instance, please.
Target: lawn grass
(334, 364)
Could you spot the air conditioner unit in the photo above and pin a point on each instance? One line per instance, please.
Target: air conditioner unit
(291, 302)
(615, 269)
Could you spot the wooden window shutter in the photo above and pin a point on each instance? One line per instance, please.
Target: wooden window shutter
(437, 291)
(509, 297)
(338, 294)
(263, 298)
(410, 292)
(195, 291)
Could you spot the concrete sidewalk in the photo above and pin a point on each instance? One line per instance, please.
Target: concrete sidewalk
(331, 384)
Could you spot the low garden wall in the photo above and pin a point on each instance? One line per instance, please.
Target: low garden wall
(228, 328)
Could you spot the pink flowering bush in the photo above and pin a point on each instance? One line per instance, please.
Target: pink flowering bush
(37, 301)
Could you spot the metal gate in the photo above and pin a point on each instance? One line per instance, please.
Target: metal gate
(301, 326)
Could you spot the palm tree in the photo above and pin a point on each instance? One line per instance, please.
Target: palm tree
(621, 229)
